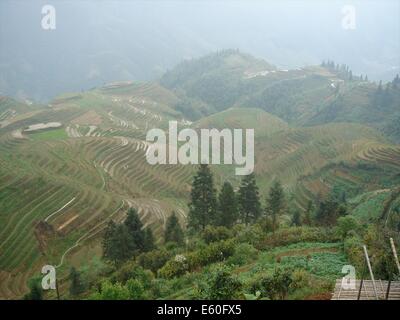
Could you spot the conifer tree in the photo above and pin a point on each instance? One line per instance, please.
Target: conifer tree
(122, 244)
(108, 240)
(123, 241)
(275, 203)
(203, 205)
(36, 291)
(296, 218)
(173, 230)
(227, 206)
(249, 199)
(135, 230)
(149, 241)
(76, 286)
(307, 215)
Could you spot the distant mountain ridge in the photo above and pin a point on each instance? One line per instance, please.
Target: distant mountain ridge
(302, 97)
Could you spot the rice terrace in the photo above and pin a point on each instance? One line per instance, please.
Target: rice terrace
(109, 185)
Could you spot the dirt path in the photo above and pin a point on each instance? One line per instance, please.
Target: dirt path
(62, 208)
(88, 235)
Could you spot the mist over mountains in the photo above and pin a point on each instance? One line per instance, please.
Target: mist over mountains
(96, 42)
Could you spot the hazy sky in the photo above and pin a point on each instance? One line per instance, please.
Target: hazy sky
(102, 41)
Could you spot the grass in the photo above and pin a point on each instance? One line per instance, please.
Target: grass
(263, 123)
(39, 175)
(58, 134)
(370, 206)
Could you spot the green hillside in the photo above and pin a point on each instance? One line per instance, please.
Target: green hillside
(72, 166)
(263, 123)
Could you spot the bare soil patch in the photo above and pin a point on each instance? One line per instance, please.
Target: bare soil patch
(89, 118)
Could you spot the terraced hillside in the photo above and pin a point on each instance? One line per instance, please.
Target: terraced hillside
(263, 123)
(84, 161)
(60, 186)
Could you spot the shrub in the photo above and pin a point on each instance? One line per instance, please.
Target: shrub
(301, 279)
(286, 236)
(216, 251)
(244, 253)
(109, 291)
(345, 225)
(252, 234)
(131, 270)
(274, 286)
(154, 260)
(213, 234)
(136, 289)
(221, 285)
(36, 291)
(173, 268)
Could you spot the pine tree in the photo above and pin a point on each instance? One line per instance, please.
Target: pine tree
(203, 205)
(36, 291)
(108, 240)
(329, 211)
(122, 246)
(275, 203)
(76, 286)
(307, 215)
(149, 242)
(135, 229)
(296, 218)
(173, 230)
(227, 206)
(249, 200)
(123, 241)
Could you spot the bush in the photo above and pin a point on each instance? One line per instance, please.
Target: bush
(173, 268)
(154, 260)
(213, 234)
(244, 253)
(217, 251)
(286, 236)
(345, 225)
(36, 291)
(274, 286)
(131, 270)
(136, 289)
(109, 291)
(252, 234)
(354, 252)
(221, 285)
(301, 279)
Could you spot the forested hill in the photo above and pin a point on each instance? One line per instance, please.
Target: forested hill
(303, 97)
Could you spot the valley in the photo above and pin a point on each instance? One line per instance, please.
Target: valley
(69, 167)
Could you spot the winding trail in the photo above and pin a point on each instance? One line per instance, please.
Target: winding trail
(88, 235)
(66, 205)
